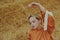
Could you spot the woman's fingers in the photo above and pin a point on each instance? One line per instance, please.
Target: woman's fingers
(30, 5)
(33, 4)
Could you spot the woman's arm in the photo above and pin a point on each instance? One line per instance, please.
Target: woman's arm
(42, 9)
(51, 24)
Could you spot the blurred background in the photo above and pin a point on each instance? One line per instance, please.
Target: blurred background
(14, 18)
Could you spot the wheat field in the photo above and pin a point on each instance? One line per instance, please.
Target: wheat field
(14, 18)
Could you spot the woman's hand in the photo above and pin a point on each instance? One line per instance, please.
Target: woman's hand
(33, 4)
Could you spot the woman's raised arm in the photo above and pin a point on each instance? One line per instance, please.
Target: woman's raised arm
(42, 9)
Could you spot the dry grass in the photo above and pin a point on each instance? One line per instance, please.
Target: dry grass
(13, 18)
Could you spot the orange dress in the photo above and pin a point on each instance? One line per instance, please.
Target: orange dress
(40, 34)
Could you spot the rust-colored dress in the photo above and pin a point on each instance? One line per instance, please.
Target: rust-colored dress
(40, 34)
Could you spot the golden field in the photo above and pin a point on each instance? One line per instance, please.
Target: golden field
(14, 18)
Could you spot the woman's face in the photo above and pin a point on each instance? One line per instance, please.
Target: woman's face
(34, 22)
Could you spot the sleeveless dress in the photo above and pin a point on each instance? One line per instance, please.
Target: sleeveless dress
(40, 34)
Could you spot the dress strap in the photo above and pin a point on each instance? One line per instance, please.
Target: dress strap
(45, 20)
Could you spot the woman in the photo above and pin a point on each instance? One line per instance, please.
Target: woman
(40, 31)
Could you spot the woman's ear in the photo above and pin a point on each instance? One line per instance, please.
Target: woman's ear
(39, 21)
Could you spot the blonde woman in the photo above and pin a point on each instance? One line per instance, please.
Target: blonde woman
(39, 31)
